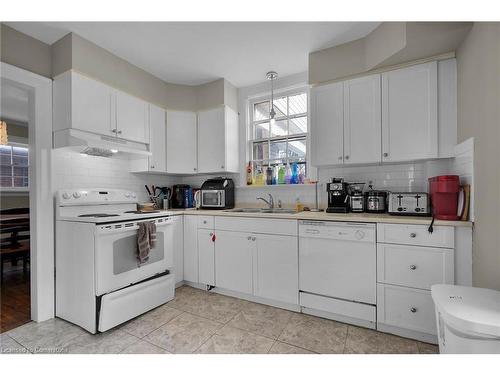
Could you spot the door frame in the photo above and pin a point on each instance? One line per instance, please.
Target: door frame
(40, 187)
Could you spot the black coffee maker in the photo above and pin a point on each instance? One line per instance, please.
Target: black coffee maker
(338, 199)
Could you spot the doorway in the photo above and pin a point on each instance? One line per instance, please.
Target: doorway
(27, 217)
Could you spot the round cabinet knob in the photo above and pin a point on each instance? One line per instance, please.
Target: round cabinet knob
(249, 238)
(66, 195)
(413, 267)
(413, 235)
(222, 167)
(76, 194)
(347, 157)
(152, 167)
(194, 169)
(386, 154)
(413, 309)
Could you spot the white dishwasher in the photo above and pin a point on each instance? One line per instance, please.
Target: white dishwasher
(337, 270)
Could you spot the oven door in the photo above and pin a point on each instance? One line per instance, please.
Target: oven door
(213, 198)
(116, 261)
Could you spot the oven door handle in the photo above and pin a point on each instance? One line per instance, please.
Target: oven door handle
(120, 228)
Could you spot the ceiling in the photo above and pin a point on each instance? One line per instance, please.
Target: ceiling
(194, 53)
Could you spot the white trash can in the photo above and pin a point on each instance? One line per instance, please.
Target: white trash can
(468, 319)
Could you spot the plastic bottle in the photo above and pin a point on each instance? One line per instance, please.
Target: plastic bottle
(288, 174)
(275, 175)
(249, 173)
(302, 177)
(269, 176)
(259, 177)
(295, 173)
(281, 174)
(299, 207)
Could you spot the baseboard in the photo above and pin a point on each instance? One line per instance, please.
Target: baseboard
(403, 332)
(339, 318)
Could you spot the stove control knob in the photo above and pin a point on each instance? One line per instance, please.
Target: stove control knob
(77, 194)
(133, 195)
(359, 235)
(66, 195)
(127, 195)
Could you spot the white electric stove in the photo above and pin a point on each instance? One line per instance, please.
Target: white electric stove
(99, 281)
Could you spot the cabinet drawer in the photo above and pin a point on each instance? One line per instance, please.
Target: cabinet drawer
(442, 236)
(407, 308)
(414, 266)
(205, 222)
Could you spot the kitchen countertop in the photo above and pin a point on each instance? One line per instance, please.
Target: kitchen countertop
(308, 215)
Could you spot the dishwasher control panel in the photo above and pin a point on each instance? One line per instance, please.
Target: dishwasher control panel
(338, 230)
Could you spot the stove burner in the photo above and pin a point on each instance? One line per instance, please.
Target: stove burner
(98, 215)
(142, 212)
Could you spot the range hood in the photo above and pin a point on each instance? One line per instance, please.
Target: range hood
(95, 144)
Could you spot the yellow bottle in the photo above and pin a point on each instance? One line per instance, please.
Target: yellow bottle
(299, 207)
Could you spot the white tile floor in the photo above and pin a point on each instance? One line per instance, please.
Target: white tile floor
(200, 322)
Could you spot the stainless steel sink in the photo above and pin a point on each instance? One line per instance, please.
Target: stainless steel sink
(263, 210)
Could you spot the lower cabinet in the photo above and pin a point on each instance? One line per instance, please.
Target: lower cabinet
(191, 248)
(206, 256)
(233, 261)
(178, 243)
(276, 265)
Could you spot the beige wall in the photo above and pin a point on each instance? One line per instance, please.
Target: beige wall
(25, 52)
(478, 74)
(390, 44)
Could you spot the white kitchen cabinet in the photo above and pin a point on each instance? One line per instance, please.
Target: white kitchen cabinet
(131, 118)
(362, 120)
(181, 142)
(83, 103)
(276, 268)
(86, 104)
(410, 113)
(218, 140)
(327, 125)
(190, 248)
(233, 261)
(206, 256)
(178, 243)
(157, 142)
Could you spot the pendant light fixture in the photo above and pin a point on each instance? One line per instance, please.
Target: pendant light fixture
(272, 76)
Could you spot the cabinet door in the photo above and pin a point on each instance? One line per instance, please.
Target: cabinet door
(91, 103)
(211, 141)
(181, 142)
(191, 248)
(131, 118)
(233, 261)
(362, 120)
(409, 113)
(276, 268)
(157, 139)
(327, 119)
(206, 256)
(178, 241)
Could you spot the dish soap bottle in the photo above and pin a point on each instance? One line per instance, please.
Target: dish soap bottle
(249, 173)
(299, 207)
(269, 176)
(295, 173)
(288, 174)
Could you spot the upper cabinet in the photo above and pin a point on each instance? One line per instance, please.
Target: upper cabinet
(327, 125)
(362, 122)
(410, 113)
(83, 103)
(88, 105)
(401, 115)
(181, 142)
(131, 118)
(218, 140)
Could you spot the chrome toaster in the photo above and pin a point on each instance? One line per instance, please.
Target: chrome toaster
(411, 204)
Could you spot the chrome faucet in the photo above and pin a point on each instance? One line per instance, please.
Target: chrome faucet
(269, 202)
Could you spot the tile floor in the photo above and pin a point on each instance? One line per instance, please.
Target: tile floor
(200, 322)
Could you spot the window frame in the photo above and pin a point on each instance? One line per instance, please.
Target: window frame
(251, 141)
(15, 189)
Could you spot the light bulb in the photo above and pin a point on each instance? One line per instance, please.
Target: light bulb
(273, 122)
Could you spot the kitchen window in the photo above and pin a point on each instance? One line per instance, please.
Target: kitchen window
(14, 167)
(284, 140)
